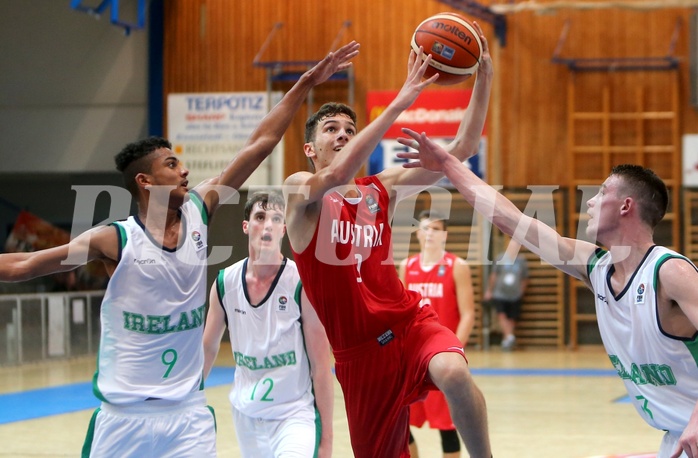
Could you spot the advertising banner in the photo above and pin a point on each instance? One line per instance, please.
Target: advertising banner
(438, 113)
(208, 129)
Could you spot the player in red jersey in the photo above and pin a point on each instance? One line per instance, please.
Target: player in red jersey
(445, 283)
(388, 350)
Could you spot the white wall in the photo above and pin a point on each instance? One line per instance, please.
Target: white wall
(73, 88)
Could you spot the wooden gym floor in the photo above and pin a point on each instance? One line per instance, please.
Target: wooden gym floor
(541, 404)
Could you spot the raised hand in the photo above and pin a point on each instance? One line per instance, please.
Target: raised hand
(334, 62)
(485, 66)
(414, 84)
(429, 155)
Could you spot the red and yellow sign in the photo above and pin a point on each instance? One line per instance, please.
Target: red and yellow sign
(438, 113)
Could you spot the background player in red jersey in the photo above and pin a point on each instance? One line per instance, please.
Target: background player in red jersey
(446, 285)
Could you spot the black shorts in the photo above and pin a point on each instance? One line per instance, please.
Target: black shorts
(512, 309)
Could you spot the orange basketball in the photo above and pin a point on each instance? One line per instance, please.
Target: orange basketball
(454, 45)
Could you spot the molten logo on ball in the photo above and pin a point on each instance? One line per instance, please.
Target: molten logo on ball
(454, 45)
(454, 30)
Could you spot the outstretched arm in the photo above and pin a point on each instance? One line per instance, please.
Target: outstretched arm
(97, 243)
(568, 255)
(304, 190)
(469, 133)
(272, 127)
(467, 140)
(355, 153)
(214, 329)
(318, 348)
(465, 300)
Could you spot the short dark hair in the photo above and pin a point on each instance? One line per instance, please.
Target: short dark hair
(266, 200)
(131, 159)
(327, 110)
(433, 215)
(648, 190)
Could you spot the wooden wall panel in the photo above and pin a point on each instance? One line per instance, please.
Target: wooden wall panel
(534, 129)
(210, 46)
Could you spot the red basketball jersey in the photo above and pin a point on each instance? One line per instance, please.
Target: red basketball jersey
(437, 287)
(348, 270)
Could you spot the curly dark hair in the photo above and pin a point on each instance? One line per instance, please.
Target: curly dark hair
(132, 159)
(647, 188)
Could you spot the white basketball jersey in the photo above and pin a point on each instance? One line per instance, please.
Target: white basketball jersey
(153, 314)
(660, 372)
(272, 374)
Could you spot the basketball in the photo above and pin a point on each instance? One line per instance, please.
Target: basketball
(454, 45)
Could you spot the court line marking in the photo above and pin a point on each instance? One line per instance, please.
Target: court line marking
(57, 400)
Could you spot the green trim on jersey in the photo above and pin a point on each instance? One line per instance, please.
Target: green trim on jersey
(95, 387)
(123, 236)
(658, 264)
(318, 430)
(297, 295)
(200, 205)
(215, 421)
(220, 286)
(692, 346)
(318, 420)
(594, 259)
(87, 445)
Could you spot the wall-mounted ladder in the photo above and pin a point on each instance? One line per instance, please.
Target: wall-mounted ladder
(291, 70)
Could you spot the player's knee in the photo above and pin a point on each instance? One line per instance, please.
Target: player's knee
(448, 371)
(450, 443)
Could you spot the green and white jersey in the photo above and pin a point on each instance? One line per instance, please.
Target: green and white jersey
(272, 374)
(660, 371)
(153, 314)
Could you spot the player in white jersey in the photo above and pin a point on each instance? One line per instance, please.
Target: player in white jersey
(646, 296)
(150, 369)
(646, 358)
(283, 388)
(168, 334)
